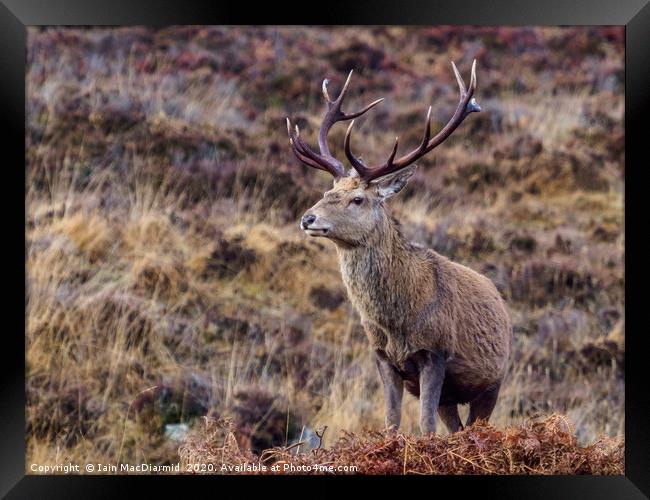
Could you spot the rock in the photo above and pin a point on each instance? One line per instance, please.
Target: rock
(308, 438)
(176, 432)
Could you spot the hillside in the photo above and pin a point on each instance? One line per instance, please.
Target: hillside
(167, 278)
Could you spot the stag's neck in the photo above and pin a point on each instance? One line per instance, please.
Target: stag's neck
(385, 253)
(386, 278)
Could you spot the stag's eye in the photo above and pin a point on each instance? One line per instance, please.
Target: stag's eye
(357, 200)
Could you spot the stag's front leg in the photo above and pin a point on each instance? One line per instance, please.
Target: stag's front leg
(393, 390)
(431, 367)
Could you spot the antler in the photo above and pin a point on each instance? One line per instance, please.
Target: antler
(466, 105)
(325, 160)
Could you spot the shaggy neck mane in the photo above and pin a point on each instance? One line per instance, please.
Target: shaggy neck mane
(384, 249)
(386, 272)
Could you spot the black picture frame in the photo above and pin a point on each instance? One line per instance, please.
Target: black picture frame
(16, 15)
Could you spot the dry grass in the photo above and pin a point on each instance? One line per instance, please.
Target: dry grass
(167, 279)
(538, 446)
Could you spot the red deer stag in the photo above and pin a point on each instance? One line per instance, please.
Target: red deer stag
(436, 327)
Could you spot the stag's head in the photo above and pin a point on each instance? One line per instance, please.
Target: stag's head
(353, 210)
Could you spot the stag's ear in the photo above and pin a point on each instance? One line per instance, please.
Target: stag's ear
(392, 184)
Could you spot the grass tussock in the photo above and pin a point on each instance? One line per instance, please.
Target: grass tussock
(545, 445)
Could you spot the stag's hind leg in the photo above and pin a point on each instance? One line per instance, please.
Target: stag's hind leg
(451, 418)
(482, 406)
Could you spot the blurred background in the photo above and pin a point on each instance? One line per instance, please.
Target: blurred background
(167, 278)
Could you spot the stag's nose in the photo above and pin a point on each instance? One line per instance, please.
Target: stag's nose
(307, 220)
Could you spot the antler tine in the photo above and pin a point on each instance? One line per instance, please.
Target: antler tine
(350, 116)
(305, 159)
(427, 131)
(393, 152)
(326, 82)
(306, 155)
(466, 105)
(356, 163)
(459, 78)
(342, 115)
(325, 93)
(304, 149)
(344, 90)
(472, 79)
(325, 160)
(296, 150)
